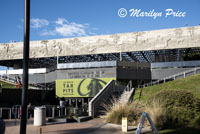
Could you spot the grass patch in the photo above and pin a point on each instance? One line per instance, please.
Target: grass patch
(181, 99)
(7, 85)
(189, 84)
(174, 104)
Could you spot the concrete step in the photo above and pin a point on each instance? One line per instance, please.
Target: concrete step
(82, 118)
(69, 120)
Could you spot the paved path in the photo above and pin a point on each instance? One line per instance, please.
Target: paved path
(95, 126)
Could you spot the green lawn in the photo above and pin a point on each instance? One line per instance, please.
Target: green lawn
(7, 85)
(190, 84)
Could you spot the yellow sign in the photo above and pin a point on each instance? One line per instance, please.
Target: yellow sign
(80, 87)
(124, 124)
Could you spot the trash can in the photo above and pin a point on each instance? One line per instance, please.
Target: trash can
(39, 116)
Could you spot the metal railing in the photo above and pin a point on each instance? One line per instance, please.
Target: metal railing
(173, 77)
(175, 64)
(129, 86)
(127, 96)
(8, 79)
(51, 111)
(128, 93)
(13, 81)
(106, 92)
(37, 86)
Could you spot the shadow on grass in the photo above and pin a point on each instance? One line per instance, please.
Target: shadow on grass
(179, 131)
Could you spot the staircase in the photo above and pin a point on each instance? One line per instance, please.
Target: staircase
(12, 81)
(7, 79)
(95, 104)
(127, 95)
(172, 77)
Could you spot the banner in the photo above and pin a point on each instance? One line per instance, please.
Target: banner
(80, 87)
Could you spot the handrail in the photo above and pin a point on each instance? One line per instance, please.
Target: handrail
(128, 93)
(37, 86)
(129, 86)
(8, 112)
(94, 104)
(194, 70)
(10, 80)
(127, 96)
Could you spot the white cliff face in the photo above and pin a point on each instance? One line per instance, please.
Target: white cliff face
(186, 37)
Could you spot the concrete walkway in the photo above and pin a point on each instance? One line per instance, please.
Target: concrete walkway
(95, 126)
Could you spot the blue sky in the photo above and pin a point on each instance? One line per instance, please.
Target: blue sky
(52, 19)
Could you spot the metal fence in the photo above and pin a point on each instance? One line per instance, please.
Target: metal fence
(8, 79)
(51, 111)
(173, 77)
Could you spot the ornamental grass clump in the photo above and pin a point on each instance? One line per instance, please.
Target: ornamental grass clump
(157, 112)
(115, 110)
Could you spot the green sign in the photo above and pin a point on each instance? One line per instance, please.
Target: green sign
(80, 87)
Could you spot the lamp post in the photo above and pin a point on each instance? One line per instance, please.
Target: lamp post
(57, 49)
(120, 43)
(57, 58)
(120, 52)
(25, 66)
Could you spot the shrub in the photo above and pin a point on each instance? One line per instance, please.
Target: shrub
(157, 112)
(196, 122)
(181, 107)
(116, 110)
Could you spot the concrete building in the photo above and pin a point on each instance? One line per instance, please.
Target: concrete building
(139, 56)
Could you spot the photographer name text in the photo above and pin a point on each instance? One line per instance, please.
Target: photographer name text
(122, 12)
